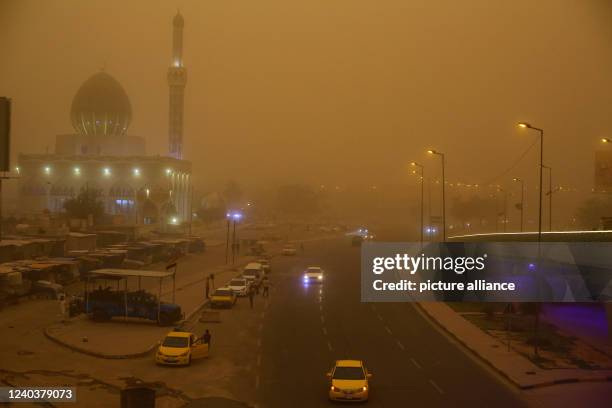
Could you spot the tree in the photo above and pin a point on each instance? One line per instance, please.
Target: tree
(589, 214)
(297, 199)
(232, 194)
(84, 205)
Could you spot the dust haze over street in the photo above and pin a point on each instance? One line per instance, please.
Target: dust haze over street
(188, 188)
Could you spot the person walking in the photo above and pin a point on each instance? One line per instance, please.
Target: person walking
(206, 338)
(266, 286)
(62, 306)
(251, 294)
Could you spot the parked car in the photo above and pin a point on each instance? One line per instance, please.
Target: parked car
(180, 348)
(239, 286)
(104, 304)
(223, 297)
(253, 273)
(289, 250)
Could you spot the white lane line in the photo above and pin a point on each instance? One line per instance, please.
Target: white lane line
(321, 307)
(257, 381)
(437, 387)
(329, 346)
(379, 317)
(417, 365)
(400, 345)
(325, 331)
(259, 343)
(388, 330)
(322, 319)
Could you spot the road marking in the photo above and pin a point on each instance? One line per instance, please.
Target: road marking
(322, 319)
(259, 360)
(417, 365)
(259, 343)
(257, 381)
(324, 331)
(440, 390)
(379, 317)
(400, 345)
(388, 330)
(329, 346)
(321, 307)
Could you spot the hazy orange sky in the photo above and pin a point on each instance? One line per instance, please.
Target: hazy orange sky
(328, 91)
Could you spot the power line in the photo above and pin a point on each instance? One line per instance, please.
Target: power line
(509, 169)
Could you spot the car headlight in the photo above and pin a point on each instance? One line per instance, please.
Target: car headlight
(364, 388)
(320, 277)
(336, 389)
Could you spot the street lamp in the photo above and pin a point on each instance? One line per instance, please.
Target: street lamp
(525, 125)
(421, 168)
(541, 131)
(519, 180)
(549, 194)
(435, 152)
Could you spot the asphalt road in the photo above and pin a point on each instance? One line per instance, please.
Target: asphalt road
(308, 327)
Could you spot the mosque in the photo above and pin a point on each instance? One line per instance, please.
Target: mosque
(103, 157)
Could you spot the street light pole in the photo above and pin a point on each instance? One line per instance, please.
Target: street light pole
(422, 168)
(227, 239)
(537, 313)
(431, 151)
(541, 131)
(522, 198)
(549, 194)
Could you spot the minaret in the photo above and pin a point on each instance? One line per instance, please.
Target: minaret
(177, 77)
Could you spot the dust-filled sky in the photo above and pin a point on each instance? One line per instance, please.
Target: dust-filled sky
(328, 91)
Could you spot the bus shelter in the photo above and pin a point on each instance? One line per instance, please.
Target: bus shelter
(122, 275)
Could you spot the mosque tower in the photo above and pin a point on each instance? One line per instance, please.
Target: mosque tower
(177, 78)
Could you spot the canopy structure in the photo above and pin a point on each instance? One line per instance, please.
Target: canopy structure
(124, 274)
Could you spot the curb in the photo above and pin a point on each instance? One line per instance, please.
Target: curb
(522, 386)
(92, 353)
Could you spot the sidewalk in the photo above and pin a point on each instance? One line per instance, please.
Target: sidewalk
(518, 369)
(119, 339)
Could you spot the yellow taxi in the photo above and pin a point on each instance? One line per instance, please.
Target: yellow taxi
(179, 348)
(349, 381)
(223, 297)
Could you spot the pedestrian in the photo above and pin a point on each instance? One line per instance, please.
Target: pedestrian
(251, 294)
(266, 287)
(206, 338)
(212, 280)
(207, 286)
(62, 305)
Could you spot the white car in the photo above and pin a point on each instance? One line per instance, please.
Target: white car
(265, 265)
(239, 286)
(289, 250)
(313, 274)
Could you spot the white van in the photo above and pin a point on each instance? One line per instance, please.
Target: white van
(253, 273)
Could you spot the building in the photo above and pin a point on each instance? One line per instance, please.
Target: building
(135, 188)
(177, 78)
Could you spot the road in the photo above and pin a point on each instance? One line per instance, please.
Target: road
(306, 328)
(276, 354)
